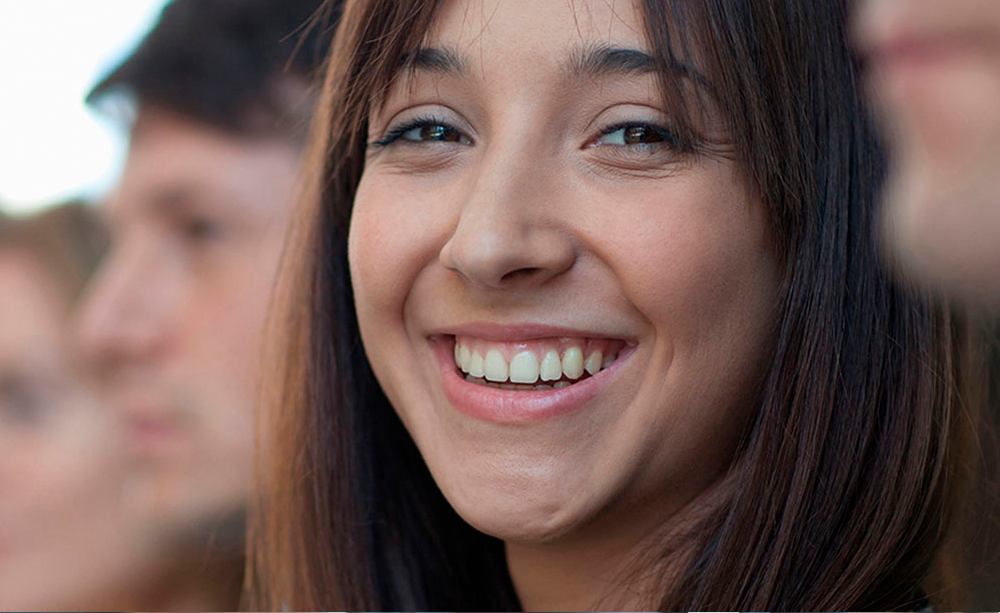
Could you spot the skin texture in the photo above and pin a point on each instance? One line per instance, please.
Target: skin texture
(935, 81)
(174, 318)
(64, 543)
(535, 217)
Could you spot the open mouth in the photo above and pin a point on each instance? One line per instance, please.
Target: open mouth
(535, 365)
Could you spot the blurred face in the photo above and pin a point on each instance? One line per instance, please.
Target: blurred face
(568, 311)
(935, 73)
(175, 315)
(62, 540)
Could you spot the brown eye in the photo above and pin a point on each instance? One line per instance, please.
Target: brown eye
(635, 134)
(424, 131)
(639, 135)
(440, 133)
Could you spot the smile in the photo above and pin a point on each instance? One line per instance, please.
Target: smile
(536, 365)
(529, 379)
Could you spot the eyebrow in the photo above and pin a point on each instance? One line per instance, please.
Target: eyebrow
(442, 60)
(593, 61)
(601, 61)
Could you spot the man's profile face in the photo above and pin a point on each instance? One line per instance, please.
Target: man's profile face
(173, 320)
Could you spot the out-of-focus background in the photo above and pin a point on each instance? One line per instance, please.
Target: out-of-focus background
(52, 147)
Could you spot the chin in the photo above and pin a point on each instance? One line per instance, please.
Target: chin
(526, 505)
(942, 234)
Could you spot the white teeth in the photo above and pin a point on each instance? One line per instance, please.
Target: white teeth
(593, 363)
(524, 368)
(464, 357)
(494, 366)
(476, 365)
(551, 367)
(572, 363)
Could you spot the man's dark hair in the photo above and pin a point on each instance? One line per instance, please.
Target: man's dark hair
(237, 65)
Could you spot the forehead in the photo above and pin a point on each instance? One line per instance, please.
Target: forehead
(174, 160)
(499, 31)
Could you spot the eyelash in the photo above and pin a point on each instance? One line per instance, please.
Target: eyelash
(395, 134)
(667, 138)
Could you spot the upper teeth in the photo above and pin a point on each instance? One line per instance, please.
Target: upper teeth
(527, 365)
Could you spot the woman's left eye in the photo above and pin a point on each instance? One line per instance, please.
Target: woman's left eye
(633, 134)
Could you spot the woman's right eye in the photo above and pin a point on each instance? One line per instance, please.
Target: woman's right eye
(424, 131)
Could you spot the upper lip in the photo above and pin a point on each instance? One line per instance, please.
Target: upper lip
(525, 332)
(883, 38)
(910, 43)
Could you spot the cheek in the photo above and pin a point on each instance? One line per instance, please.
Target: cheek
(696, 260)
(391, 240)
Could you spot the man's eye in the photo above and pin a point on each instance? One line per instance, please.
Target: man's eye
(200, 230)
(635, 134)
(22, 404)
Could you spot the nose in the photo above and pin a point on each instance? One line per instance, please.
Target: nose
(511, 230)
(124, 313)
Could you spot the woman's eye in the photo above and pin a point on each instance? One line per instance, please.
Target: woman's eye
(635, 134)
(424, 131)
(431, 132)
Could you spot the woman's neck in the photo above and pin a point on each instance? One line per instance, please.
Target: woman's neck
(576, 575)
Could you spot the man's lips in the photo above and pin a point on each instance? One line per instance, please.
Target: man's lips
(149, 426)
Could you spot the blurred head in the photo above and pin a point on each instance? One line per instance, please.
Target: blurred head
(935, 79)
(630, 193)
(220, 97)
(63, 543)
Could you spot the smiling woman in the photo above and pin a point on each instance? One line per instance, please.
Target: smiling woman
(625, 341)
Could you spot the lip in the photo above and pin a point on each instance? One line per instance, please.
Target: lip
(916, 66)
(149, 428)
(918, 49)
(515, 406)
(524, 332)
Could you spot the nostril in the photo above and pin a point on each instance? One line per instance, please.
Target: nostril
(520, 273)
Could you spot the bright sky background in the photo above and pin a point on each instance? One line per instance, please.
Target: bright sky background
(52, 147)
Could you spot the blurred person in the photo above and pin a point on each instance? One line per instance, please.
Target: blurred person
(63, 540)
(219, 98)
(935, 79)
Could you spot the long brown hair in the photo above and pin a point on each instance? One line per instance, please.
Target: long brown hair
(845, 480)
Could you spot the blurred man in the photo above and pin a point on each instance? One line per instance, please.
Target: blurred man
(935, 75)
(220, 96)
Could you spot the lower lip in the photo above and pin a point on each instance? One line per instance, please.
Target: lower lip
(518, 406)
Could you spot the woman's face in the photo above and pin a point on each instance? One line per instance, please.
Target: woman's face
(63, 543)
(524, 213)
